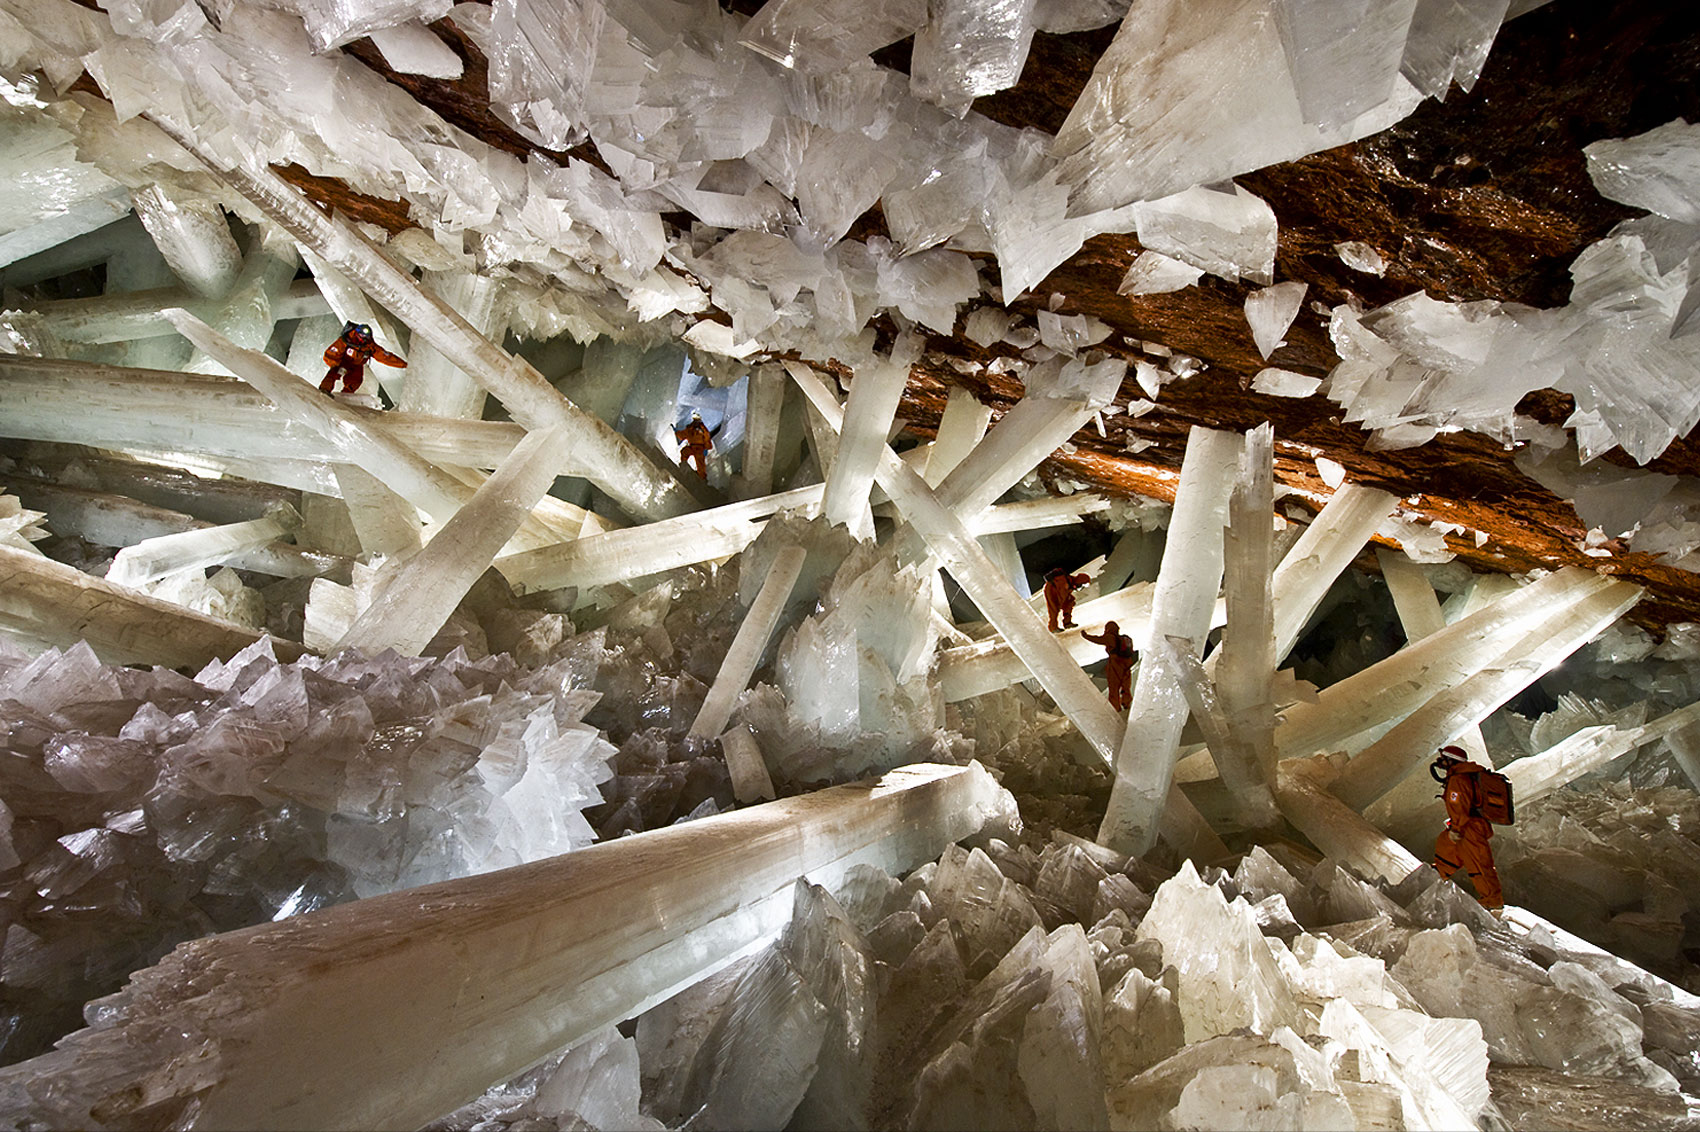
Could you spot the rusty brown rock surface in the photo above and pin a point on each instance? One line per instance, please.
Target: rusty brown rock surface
(1482, 196)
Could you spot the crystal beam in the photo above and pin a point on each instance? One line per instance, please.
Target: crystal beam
(425, 589)
(612, 462)
(439, 991)
(749, 642)
(1187, 584)
(57, 605)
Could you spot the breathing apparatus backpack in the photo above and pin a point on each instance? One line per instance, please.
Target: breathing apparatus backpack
(1492, 790)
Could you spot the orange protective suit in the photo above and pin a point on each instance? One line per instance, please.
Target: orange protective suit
(1059, 596)
(347, 358)
(1119, 671)
(1464, 841)
(694, 442)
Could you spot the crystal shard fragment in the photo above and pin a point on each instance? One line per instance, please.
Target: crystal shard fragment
(1278, 382)
(968, 49)
(1178, 101)
(1271, 311)
(1153, 273)
(1227, 233)
(1656, 170)
(818, 37)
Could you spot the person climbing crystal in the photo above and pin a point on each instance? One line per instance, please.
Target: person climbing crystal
(694, 443)
(348, 355)
(1059, 595)
(1119, 672)
(1471, 799)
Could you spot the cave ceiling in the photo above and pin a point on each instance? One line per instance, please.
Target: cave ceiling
(1483, 196)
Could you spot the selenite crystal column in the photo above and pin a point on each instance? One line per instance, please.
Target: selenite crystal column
(1186, 591)
(391, 1011)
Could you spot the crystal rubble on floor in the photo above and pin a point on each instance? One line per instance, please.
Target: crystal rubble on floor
(1198, 1006)
(1181, 606)
(726, 885)
(259, 790)
(1616, 866)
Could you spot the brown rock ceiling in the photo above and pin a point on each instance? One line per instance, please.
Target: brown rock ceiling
(1483, 196)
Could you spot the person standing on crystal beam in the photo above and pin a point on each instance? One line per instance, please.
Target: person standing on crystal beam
(694, 443)
(1059, 595)
(1464, 841)
(348, 355)
(1119, 672)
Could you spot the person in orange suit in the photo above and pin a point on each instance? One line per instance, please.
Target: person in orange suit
(1059, 595)
(348, 355)
(1119, 672)
(694, 442)
(1464, 841)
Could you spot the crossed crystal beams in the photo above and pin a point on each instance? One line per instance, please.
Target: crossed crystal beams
(425, 589)
(443, 989)
(609, 460)
(952, 542)
(1143, 802)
